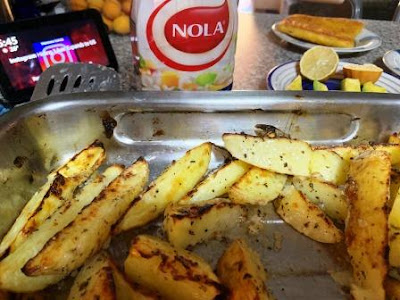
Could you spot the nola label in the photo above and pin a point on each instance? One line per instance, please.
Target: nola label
(184, 45)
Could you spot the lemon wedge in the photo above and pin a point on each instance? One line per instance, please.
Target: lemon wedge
(295, 85)
(319, 63)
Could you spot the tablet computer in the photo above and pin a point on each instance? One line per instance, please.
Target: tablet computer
(29, 47)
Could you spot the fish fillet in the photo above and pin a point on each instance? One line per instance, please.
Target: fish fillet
(335, 32)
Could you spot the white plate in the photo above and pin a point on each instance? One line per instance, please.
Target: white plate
(392, 60)
(365, 41)
(279, 77)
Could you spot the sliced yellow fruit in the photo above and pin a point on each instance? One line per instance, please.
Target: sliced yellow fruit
(350, 85)
(369, 87)
(295, 85)
(319, 63)
(319, 86)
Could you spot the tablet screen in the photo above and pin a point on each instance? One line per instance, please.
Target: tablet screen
(29, 47)
(25, 55)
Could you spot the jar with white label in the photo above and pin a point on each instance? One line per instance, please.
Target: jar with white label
(184, 45)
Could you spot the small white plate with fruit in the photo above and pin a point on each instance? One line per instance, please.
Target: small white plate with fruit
(320, 70)
(392, 60)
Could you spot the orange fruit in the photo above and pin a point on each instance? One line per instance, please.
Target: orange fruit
(108, 22)
(96, 4)
(78, 5)
(112, 9)
(364, 73)
(126, 7)
(121, 24)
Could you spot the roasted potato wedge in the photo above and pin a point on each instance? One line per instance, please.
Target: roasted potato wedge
(327, 196)
(350, 152)
(280, 155)
(100, 278)
(88, 233)
(28, 210)
(366, 226)
(241, 271)
(394, 233)
(94, 281)
(394, 187)
(306, 217)
(257, 186)
(394, 139)
(347, 152)
(173, 273)
(392, 150)
(54, 192)
(328, 166)
(126, 290)
(4, 295)
(171, 186)
(392, 289)
(13, 264)
(217, 183)
(30, 296)
(187, 224)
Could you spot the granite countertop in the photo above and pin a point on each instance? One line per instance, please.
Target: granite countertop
(259, 50)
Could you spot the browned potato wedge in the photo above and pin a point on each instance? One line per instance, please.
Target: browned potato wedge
(241, 271)
(394, 139)
(394, 233)
(307, 218)
(28, 210)
(280, 155)
(187, 224)
(171, 186)
(126, 290)
(99, 278)
(94, 280)
(349, 152)
(174, 273)
(29, 296)
(88, 233)
(59, 184)
(366, 226)
(392, 289)
(4, 295)
(328, 166)
(257, 186)
(18, 281)
(392, 150)
(217, 183)
(394, 187)
(346, 152)
(327, 196)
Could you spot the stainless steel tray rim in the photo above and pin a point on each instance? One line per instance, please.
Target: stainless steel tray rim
(209, 101)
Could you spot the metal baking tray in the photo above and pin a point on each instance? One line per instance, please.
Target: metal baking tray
(36, 137)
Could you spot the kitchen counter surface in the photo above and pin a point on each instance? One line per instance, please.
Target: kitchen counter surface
(259, 50)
